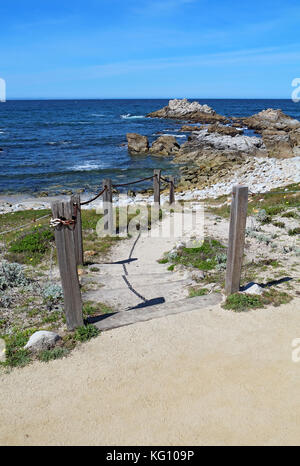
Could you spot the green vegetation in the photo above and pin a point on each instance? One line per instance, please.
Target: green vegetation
(242, 302)
(272, 202)
(164, 260)
(15, 354)
(294, 231)
(92, 308)
(290, 214)
(206, 257)
(194, 291)
(86, 332)
(239, 302)
(55, 353)
(278, 224)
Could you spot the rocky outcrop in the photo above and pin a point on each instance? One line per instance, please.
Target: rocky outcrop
(165, 146)
(204, 142)
(137, 144)
(222, 129)
(187, 128)
(210, 157)
(280, 132)
(191, 111)
(271, 119)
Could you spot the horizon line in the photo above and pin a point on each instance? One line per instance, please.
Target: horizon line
(147, 98)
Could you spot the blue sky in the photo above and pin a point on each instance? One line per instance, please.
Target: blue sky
(149, 48)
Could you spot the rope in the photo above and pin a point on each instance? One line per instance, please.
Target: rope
(24, 226)
(55, 222)
(166, 180)
(133, 182)
(94, 198)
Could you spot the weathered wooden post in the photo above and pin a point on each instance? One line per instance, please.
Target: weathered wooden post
(107, 206)
(172, 192)
(156, 186)
(65, 244)
(78, 230)
(238, 217)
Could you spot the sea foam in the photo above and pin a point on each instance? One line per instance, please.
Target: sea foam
(128, 116)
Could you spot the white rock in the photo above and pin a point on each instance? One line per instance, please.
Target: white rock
(183, 106)
(254, 289)
(42, 340)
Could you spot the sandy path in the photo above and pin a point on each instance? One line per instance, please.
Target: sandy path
(204, 377)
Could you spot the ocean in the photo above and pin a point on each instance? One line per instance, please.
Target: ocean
(57, 145)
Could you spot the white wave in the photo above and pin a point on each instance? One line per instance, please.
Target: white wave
(98, 114)
(58, 143)
(88, 166)
(128, 116)
(176, 135)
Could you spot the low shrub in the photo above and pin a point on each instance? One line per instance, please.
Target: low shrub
(239, 302)
(86, 332)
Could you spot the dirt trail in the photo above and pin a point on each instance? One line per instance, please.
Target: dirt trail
(204, 377)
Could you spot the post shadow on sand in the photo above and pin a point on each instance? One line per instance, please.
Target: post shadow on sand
(266, 285)
(147, 303)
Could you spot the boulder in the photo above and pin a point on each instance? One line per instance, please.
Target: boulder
(278, 143)
(187, 128)
(165, 145)
(190, 111)
(254, 289)
(222, 129)
(42, 340)
(211, 157)
(271, 119)
(137, 144)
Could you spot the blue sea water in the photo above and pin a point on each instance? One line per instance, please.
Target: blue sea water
(52, 145)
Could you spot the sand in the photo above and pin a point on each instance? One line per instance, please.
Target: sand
(209, 377)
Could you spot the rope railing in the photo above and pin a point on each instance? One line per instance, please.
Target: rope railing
(166, 180)
(94, 198)
(133, 182)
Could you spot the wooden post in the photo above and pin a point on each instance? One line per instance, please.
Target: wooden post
(75, 199)
(65, 244)
(107, 206)
(156, 186)
(238, 217)
(172, 193)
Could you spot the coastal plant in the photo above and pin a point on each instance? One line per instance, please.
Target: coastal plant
(279, 224)
(86, 332)
(197, 292)
(11, 275)
(52, 293)
(239, 302)
(263, 217)
(92, 308)
(294, 231)
(5, 299)
(51, 354)
(221, 259)
(290, 214)
(29, 248)
(16, 355)
(203, 257)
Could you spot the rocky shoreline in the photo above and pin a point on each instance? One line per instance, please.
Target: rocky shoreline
(216, 155)
(217, 145)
